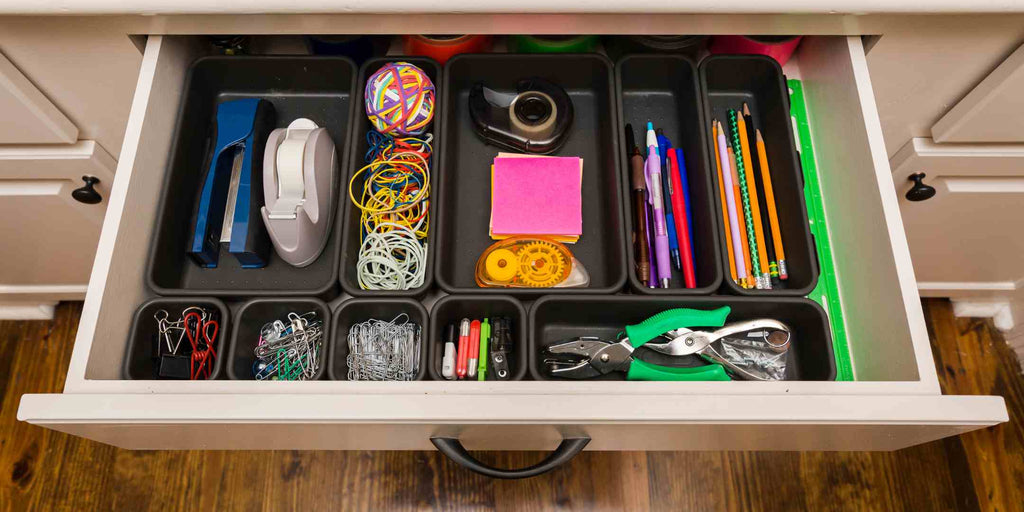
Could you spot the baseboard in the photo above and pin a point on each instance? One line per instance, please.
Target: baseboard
(999, 311)
(41, 293)
(1006, 315)
(966, 290)
(26, 311)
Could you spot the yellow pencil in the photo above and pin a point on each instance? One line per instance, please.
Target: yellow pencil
(773, 216)
(755, 208)
(721, 195)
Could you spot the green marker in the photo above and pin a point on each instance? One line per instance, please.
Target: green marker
(485, 337)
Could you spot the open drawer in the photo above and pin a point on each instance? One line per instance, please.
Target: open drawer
(894, 402)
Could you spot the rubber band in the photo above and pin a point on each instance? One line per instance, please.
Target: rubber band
(394, 211)
(399, 99)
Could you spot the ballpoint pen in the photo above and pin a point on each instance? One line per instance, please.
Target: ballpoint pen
(670, 192)
(682, 221)
(664, 264)
(637, 179)
(685, 181)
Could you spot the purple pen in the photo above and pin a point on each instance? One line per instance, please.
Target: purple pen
(661, 245)
(652, 279)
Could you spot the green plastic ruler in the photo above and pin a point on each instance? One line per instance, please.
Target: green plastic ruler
(826, 293)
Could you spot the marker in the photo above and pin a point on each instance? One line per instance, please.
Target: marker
(661, 250)
(463, 355)
(485, 337)
(448, 361)
(474, 348)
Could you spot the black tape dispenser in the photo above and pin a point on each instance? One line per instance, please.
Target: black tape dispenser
(536, 119)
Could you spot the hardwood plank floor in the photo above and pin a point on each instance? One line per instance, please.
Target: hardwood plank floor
(41, 469)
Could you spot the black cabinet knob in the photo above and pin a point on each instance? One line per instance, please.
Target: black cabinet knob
(87, 194)
(920, 191)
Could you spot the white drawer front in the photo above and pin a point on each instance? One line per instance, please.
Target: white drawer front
(895, 402)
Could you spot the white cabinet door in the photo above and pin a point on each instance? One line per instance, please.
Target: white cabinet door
(966, 237)
(26, 115)
(992, 112)
(49, 237)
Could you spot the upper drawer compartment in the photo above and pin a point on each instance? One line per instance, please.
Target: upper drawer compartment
(319, 89)
(895, 376)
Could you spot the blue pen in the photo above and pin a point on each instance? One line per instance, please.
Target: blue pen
(681, 160)
(664, 146)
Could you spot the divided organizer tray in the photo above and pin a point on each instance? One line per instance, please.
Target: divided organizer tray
(351, 234)
(141, 355)
(664, 89)
(555, 319)
(317, 88)
(451, 309)
(358, 310)
(465, 182)
(251, 317)
(728, 81)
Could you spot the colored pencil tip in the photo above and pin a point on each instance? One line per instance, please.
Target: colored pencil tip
(746, 110)
(758, 134)
(650, 125)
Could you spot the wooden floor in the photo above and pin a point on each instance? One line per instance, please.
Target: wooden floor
(43, 470)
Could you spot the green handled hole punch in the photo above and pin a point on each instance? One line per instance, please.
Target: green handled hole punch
(750, 350)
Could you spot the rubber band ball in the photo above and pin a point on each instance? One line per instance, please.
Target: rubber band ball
(400, 99)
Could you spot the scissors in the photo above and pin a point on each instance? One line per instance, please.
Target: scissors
(751, 350)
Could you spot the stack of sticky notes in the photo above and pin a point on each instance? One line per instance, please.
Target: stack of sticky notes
(537, 195)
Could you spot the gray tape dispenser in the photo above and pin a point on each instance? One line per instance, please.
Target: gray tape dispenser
(299, 189)
(536, 119)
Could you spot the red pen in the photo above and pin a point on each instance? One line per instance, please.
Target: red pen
(474, 349)
(463, 357)
(682, 222)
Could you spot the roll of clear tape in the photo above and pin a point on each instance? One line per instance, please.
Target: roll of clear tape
(539, 130)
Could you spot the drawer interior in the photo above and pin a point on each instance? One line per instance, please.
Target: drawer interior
(884, 325)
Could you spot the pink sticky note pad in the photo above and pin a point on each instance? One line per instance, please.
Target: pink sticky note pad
(537, 196)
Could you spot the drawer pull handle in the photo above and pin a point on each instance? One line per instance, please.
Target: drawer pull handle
(453, 449)
(87, 194)
(920, 191)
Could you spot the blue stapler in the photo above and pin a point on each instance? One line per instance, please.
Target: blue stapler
(232, 190)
